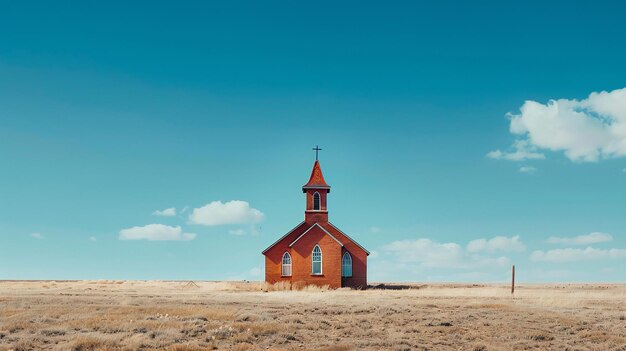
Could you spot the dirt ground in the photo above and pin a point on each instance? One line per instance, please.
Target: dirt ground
(153, 315)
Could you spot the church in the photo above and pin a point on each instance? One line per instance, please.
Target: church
(316, 252)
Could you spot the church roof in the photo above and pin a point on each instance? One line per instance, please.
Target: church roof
(282, 237)
(322, 228)
(303, 228)
(339, 231)
(317, 179)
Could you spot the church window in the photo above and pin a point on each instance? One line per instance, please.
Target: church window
(316, 258)
(346, 265)
(316, 201)
(286, 269)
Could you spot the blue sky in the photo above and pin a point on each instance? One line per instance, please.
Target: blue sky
(458, 138)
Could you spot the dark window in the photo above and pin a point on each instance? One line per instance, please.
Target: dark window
(316, 201)
(346, 265)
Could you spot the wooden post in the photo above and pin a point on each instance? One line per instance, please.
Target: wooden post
(513, 280)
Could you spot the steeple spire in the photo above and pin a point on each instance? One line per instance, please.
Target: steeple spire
(316, 181)
(316, 190)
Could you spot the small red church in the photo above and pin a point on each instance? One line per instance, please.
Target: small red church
(316, 252)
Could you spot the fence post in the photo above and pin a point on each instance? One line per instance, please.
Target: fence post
(512, 280)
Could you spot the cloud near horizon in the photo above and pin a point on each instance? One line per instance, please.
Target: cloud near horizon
(156, 232)
(427, 253)
(522, 150)
(219, 213)
(588, 239)
(528, 169)
(498, 243)
(426, 259)
(574, 255)
(585, 130)
(168, 212)
(237, 232)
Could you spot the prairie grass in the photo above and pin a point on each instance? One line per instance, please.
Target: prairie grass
(280, 286)
(287, 286)
(155, 315)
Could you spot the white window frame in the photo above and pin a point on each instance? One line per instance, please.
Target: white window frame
(321, 260)
(283, 265)
(319, 201)
(346, 254)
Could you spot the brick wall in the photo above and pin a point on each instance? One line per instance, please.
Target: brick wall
(332, 253)
(331, 260)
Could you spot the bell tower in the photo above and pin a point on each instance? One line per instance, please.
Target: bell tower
(316, 191)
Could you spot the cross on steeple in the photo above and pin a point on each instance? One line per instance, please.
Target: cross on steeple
(317, 149)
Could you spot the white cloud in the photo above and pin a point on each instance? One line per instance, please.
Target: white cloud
(185, 209)
(498, 243)
(588, 239)
(424, 259)
(93, 238)
(521, 150)
(155, 232)
(168, 212)
(237, 232)
(528, 169)
(425, 251)
(37, 235)
(573, 255)
(232, 212)
(375, 229)
(430, 254)
(587, 130)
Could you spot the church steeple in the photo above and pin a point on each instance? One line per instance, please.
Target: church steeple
(316, 191)
(316, 181)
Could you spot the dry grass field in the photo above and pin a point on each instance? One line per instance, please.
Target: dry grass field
(151, 315)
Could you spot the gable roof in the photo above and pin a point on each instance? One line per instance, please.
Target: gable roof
(329, 230)
(316, 181)
(282, 237)
(349, 238)
(322, 228)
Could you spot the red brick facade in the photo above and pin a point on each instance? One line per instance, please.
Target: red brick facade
(316, 230)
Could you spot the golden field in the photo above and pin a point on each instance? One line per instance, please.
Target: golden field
(156, 315)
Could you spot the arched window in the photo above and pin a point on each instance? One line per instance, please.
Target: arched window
(346, 265)
(316, 201)
(286, 268)
(316, 259)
